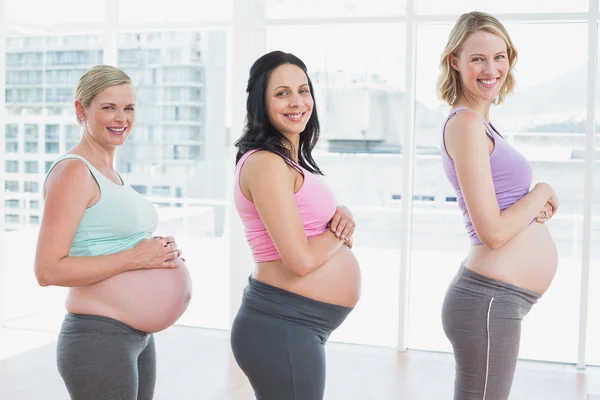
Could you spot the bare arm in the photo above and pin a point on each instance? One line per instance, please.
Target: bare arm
(70, 188)
(468, 145)
(271, 184)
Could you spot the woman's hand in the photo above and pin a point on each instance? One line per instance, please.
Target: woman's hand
(349, 241)
(342, 223)
(545, 214)
(171, 240)
(156, 253)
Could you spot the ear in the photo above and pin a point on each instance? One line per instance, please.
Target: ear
(454, 62)
(80, 110)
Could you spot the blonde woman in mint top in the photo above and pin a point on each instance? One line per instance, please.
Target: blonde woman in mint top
(306, 280)
(96, 238)
(513, 258)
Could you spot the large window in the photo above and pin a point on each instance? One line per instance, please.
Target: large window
(593, 345)
(179, 55)
(186, 171)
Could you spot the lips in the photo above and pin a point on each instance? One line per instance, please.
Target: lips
(118, 130)
(488, 82)
(295, 117)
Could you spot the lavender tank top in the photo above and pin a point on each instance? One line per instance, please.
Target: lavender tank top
(511, 172)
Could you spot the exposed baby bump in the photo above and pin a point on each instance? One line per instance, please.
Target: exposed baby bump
(149, 300)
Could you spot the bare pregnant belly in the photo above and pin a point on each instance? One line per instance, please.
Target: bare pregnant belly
(528, 261)
(149, 300)
(335, 282)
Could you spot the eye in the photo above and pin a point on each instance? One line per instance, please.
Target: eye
(304, 91)
(477, 59)
(501, 57)
(107, 108)
(130, 108)
(284, 93)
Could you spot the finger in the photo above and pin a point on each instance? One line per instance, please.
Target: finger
(169, 239)
(351, 230)
(334, 222)
(171, 264)
(340, 229)
(347, 231)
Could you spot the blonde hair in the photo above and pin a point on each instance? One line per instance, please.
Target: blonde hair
(449, 85)
(95, 80)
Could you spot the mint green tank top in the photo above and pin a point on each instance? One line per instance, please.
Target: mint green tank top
(118, 221)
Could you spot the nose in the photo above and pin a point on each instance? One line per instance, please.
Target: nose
(488, 67)
(295, 100)
(120, 115)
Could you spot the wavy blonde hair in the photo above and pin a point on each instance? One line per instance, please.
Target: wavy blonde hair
(95, 80)
(449, 85)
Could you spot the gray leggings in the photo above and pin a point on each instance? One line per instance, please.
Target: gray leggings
(482, 319)
(278, 339)
(101, 358)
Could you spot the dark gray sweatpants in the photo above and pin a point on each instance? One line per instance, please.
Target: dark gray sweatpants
(482, 319)
(100, 358)
(278, 339)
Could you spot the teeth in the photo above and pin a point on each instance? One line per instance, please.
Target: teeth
(488, 82)
(116, 129)
(294, 115)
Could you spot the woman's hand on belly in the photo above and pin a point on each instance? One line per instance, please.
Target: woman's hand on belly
(157, 252)
(342, 223)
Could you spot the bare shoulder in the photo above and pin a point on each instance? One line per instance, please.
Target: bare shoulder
(69, 173)
(465, 132)
(264, 160)
(464, 124)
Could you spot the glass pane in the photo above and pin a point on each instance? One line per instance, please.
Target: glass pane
(56, 12)
(360, 103)
(544, 119)
(333, 8)
(593, 346)
(156, 11)
(41, 74)
(437, 7)
(177, 155)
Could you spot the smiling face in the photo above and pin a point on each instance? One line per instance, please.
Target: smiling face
(289, 101)
(483, 65)
(110, 115)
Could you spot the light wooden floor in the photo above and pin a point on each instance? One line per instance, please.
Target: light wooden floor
(197, 364)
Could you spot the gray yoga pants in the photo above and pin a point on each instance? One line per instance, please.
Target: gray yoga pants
(100, 358)
(482, 319)
(278, 339)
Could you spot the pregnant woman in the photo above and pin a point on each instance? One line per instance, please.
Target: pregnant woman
(513, 258)
(96, 238)
(306, 279)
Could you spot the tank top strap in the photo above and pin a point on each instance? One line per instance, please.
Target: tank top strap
(98, 176)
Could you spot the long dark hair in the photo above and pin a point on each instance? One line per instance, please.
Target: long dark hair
(259, 133)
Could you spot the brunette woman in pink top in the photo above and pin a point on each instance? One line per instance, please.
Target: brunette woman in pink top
(306, 279)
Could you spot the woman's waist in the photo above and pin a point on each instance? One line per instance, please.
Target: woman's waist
(336, 282)
(292, 307)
